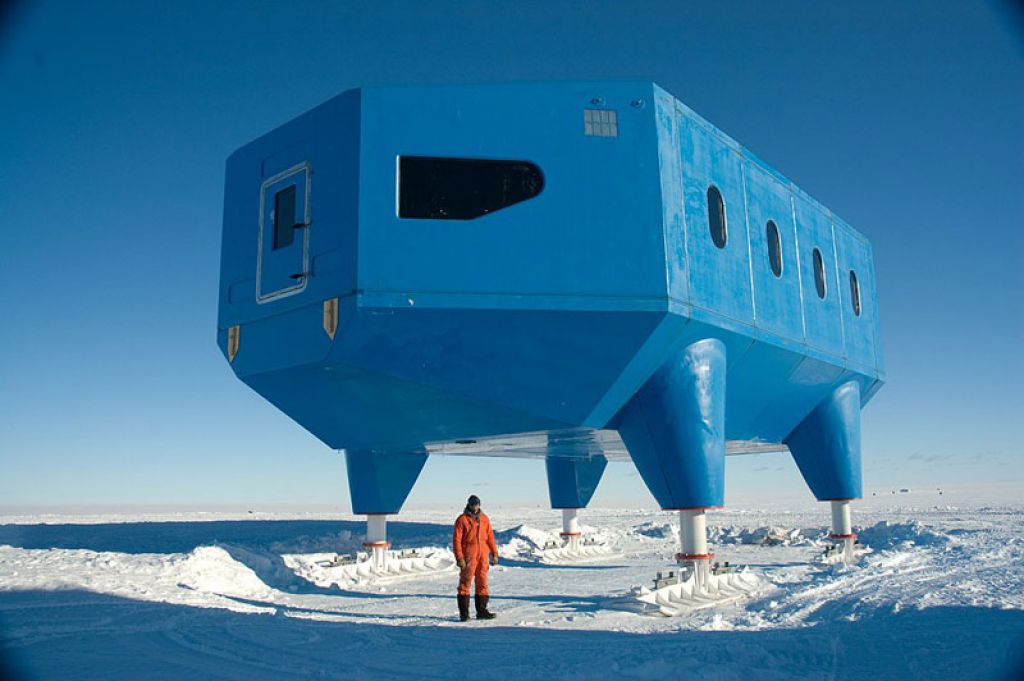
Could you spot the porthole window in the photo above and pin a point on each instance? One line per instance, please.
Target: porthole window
(819, 273)
(855, 293)
(716, 216)
(774, 248)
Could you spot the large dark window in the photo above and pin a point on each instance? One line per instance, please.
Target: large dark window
(855, 293)
(819, 273)
(716, 216)
(284, 217)
(774, 248)
(462, 188)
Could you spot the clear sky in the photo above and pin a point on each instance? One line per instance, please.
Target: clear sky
(907, 119)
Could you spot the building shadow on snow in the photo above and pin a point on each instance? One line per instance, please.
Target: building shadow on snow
(96, 636)
(294, 536)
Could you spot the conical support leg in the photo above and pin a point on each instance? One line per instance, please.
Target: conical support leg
(571, 485)
(674, 429)
(573, 481)
(826, 448)
(380, 482)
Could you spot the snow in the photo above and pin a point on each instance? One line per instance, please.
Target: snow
(941, 595)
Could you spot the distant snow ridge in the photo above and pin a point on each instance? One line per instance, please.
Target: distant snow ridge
(656, 530)
(761, 536)
(340, 542)
(884, 535)
(522, 541)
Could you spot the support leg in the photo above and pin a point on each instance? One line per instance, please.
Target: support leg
(379, 483)
(674, 429)
(826, 448)
(571, 484)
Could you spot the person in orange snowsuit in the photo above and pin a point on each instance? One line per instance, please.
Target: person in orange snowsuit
(474, 549)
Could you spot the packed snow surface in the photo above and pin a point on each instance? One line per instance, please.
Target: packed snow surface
(940, 595)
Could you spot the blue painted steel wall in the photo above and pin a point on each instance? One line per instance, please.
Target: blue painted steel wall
(327, 138)
(719, 278)
(551, 313)
(777, 299)
(823, 326)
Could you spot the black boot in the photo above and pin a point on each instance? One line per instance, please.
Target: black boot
(463, 608)
(482, 613)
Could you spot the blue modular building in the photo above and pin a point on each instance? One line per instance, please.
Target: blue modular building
(575, 271)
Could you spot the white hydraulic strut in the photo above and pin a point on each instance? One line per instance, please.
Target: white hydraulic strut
(842, 528)
(377, 541)
(693, 538)
(571, 529)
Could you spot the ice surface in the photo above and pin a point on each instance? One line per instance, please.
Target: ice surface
(207, 596)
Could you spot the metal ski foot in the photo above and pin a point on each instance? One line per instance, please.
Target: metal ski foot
(574, 552)
(370, 568)
(848, 551)
(688, 590)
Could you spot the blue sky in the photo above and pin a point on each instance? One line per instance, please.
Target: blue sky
(904, 118)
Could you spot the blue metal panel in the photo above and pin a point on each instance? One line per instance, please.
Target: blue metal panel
(672, 196)
(869, 297)
(292, 339)
(327, 139)
(755, 373)
(854, 255)
(649, 356)
(823, 325)
(350, 408)
(674, 428)
(594, 230)
(553, 365)
(826, 446)
(719, 277)
(776, 298)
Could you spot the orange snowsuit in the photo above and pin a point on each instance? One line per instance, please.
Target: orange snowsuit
(474, 542)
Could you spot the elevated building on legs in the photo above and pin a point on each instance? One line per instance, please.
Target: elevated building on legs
(579, 272)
